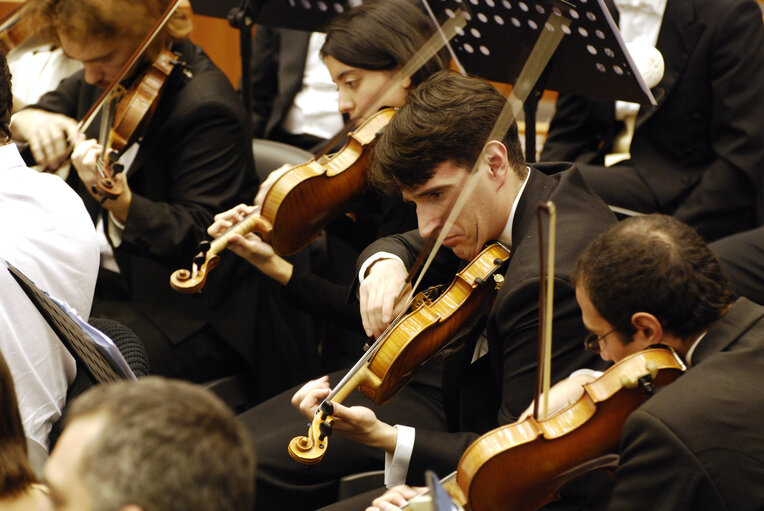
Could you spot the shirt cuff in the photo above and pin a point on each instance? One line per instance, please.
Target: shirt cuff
(397, 465)
(115, 230)
(373, 259)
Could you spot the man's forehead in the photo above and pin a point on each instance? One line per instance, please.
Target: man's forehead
(445, 175)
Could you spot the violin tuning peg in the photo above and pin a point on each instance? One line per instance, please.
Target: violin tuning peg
(204, 246)
(113, 156)
(199, 259)
(117, 168)
(326, 430)
(327, 408)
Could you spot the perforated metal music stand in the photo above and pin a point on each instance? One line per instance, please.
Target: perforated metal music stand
(591, 59)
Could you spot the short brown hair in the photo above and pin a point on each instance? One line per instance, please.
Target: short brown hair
(131, 20)
(447, 118)
(166, 444)
(655, 264)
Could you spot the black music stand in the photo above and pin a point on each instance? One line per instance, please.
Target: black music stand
(591, 59)
(98, 363)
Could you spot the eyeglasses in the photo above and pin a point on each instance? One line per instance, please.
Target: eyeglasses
(592, 341)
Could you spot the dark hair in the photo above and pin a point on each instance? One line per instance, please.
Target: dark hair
(382, 35)
(15, 472)
(447, 118)
(167, 445)
(655, 264)
(6, 100)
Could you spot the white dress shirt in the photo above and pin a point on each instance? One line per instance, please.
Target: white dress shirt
(46, 233)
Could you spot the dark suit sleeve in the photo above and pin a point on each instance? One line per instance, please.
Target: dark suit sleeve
(73, 98)
(658, 471)
(264, 66)
(736, 133)
(208, 165)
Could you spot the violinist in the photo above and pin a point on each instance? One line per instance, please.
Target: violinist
(697, 443)
(192, 160)
(427, 151)
(363, 49)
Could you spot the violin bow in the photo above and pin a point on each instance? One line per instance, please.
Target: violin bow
(84, 124)
(537, 60)
(431, 47)
(546, 300)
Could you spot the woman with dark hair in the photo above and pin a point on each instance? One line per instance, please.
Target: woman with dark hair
(19, 489)
(363, 51)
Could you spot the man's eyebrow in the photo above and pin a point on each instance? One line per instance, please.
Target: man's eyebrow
(426, 191)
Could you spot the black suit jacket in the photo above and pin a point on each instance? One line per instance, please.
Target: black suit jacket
(278, 66)
(702, 148)
(699, 443)
(498, 387)
(194, 161)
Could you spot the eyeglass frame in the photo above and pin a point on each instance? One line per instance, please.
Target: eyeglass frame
(592, 341)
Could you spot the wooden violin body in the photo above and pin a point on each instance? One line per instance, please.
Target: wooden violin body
(132, 115)
(412, 341)
(522, 466)
(15, 29)
(302, 201)
(299, 204)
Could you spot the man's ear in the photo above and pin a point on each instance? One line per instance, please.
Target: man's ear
(495, 155)
(649, 329)
(407, 84)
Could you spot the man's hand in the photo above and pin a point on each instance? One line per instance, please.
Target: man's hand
(85, 158)
(311, 395)
(49, 135)
(357, 423)
(250, 246)
(395, 498)
(379, 294)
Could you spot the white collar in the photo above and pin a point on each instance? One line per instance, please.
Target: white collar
(506, 234)
(688, 358)
(10, 157)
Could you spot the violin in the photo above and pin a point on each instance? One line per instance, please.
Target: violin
(131, 116)
(408, 343)
(307, 197)
(299, 204)
(16, 28)
(523, 466)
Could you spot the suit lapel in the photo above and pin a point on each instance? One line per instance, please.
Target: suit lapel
(678, 36)
(728, 329)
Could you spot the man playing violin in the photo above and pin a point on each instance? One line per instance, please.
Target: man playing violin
(427, 151)
(192, 160)
(697, 443)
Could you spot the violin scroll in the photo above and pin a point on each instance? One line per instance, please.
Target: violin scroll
(185, 281)
(310, 449)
